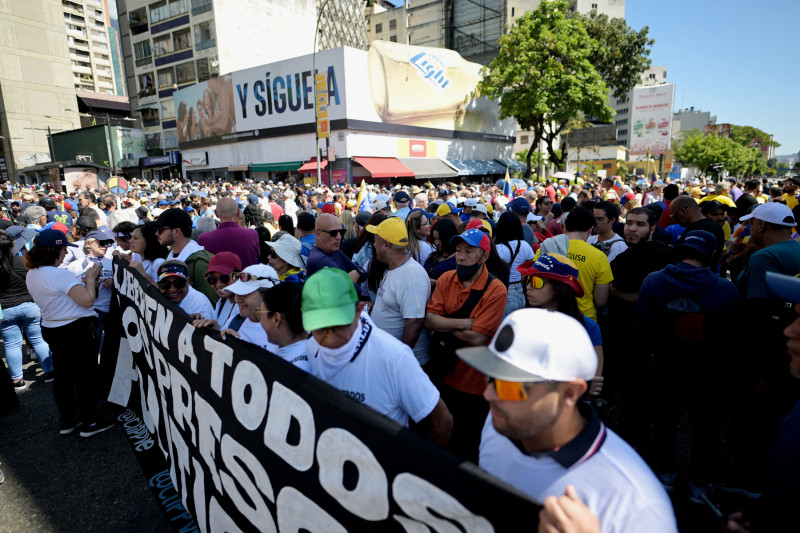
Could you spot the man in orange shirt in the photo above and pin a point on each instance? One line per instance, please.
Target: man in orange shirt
(466, 309)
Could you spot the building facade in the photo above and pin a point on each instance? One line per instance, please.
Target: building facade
(650, 77)
(171, 44)
(37, 91)
(87, 24)
(691, 119)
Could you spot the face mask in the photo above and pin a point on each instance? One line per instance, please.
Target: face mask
(465, 272)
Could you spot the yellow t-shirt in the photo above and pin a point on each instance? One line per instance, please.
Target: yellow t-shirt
(721, 198)
(791, 200)
(593, 269)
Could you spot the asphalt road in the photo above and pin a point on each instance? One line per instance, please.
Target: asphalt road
(68, 483)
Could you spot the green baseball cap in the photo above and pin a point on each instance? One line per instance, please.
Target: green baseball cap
(329, 298)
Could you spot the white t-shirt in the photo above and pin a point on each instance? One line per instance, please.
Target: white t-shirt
(78, 268)
(525, 254)
(617, 244)
(253, 333)
(425, 250)
(378, 370)
(150, 266)
(611, 479)
(225, 310)
(403, 294)
(49, 286)
(197, 302)
(295, 354)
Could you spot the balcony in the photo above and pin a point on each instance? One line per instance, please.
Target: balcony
(101, 62)
(80, 34)
(144, 61)
(205, 45)
(151, 123)
(201, 6)
(173, 57)
(139, 28)
(81, 70)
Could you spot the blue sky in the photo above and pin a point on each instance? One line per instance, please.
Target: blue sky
(737, 59)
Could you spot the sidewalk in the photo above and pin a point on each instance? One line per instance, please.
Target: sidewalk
(68, 483)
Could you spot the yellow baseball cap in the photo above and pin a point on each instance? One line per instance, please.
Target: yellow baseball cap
(391, 230)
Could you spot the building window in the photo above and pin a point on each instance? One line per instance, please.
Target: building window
(665, 75)
(621, 133)
(178, 7)
(622, 122)
(512, 11)
(159, 12)
(137, 20)
(204, 35)
(167, 109)
(523, 139)
(162, 45)
(378, 27)
(146, 87)
(392, 24)
(181, 40)
(142, 52)
(185, 73)
(652, 76)
(201, 6)
(393, 38)
(203, 69)
(150, 117)
(623, 111)
(594, 6)
(166, 78)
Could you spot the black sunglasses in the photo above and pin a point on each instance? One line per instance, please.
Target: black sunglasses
(177, 282)
(224, 278)
(333, 232)
(162, 228)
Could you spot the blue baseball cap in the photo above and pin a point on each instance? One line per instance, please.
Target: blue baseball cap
(784, 286)
(474, 237)
(703, 241)
(520, 206)
(53, 237)
(163, 202)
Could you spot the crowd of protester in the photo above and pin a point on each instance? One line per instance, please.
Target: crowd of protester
(598, 312)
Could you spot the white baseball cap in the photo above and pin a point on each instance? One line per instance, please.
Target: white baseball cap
(557, 349)
(267, 278)
(471, 202)
(772, 212)
(533, 218)
(480, 208)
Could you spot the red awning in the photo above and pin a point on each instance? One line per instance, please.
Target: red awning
(310, 166)
(385, 167)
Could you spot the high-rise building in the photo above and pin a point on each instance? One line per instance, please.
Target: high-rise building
(87, 23)
(691, 119)
(418, 22)
(171, 44)
(36, 82)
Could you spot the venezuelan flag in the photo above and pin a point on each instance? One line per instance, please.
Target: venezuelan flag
(617, 184)
(364, 203)
(508, 187)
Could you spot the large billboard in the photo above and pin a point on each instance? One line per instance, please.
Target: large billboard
(652, 119)
(392, 88)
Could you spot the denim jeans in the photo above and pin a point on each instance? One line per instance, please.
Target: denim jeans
(516, 298)
(28, 317)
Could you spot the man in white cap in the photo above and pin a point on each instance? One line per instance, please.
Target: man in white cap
(541, 437)
(767, 315)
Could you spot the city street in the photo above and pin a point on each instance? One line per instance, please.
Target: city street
(68, 483)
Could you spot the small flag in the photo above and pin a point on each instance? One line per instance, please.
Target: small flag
(617, 184)
(364, 203)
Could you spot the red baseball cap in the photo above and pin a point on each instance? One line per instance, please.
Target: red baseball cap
(225, 263)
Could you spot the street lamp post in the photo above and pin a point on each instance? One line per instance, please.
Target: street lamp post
(316, 117)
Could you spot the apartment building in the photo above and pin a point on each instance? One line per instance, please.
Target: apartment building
(172, 44)
(87, 24)
(36, 83)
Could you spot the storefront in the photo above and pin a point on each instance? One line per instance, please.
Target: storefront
(162, 167)
(383, 126)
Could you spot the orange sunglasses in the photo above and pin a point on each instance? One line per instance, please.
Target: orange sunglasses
(511, 391)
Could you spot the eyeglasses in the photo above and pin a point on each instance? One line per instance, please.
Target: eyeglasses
(333, 232)
(123, 238)
(510, 391)
(224, 278)
(535, 281)
(272, 253)
(176, 282)
(162, 228)
(246, 276)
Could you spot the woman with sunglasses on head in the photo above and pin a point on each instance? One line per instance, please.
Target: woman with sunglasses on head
(245, 325)
(551, 282)
(69, 326)
(419, 229)
(148, 252)
(282, 320)
(122, 235)
(223, 270)
(285, 257)
(173, 282)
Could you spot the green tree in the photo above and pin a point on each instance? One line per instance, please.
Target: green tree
(543, 76)
(772, 162)
(750, 136)
(703, 151)
(622, 169)
(622, 52)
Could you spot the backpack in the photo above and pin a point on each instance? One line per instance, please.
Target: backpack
(685, 320)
